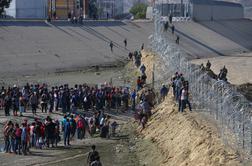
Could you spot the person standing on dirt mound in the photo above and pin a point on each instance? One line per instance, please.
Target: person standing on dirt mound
(93, 156)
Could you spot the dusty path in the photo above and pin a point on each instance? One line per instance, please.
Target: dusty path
(113, 151)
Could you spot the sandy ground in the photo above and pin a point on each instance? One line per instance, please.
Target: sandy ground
(90, 76)
(239, 67)
(114, 151)
(183, 139)
(116, 147)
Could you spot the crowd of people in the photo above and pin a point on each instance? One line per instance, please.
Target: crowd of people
(181, 91)
(63, 98)
(168, 24)
(19, 138)
(75, 102)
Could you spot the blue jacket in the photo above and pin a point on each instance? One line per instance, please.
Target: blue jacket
(67, 127)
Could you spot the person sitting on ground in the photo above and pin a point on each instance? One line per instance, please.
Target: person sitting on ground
(92, 156)
(113, 128)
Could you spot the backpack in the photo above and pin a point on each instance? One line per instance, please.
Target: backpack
(72, 124)
(18, 132)
(93, 156)
(80, 124)
(96, 163)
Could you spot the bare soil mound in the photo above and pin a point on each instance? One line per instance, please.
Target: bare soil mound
(239, 68)
(183, 139)
(172, 138)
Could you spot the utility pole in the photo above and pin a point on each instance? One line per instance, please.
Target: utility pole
(51, 10)
(181, 9)
(162, 8)
(67, 6)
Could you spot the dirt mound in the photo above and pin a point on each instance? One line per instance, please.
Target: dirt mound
(172, 138)
(183, 139)
(239, 67)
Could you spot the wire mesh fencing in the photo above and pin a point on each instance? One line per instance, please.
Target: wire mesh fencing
(217, 99)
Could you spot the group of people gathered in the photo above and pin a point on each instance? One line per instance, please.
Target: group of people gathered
(40, 133)
(181, 91)
(63, 98)
(168, 24)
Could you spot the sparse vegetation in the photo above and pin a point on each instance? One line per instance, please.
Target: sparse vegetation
(4, 4)
(139, 11)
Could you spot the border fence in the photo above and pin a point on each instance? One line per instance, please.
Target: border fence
(217, 99)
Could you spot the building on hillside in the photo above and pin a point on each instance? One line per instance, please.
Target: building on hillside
(62, 7)
(200, 9)
(178, 8)
(27, 9)
(41, 9)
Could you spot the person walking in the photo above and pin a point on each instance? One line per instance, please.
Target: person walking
(133, 96)
(67, 131)
(44, 102)
(7, 133)
(184, 99)
(173, 29)
(21, 105)
(24, 138)
(18, 132)
(125, 42)
(7, 104)
(111, 46)
(163, 92)
(34, 102)
(80, 128)
(177, 39)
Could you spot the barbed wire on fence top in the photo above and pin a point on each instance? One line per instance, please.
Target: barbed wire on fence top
(218, 99)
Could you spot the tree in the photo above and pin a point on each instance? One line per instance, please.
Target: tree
(93, 11)
(4, 4)
(139, 11)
